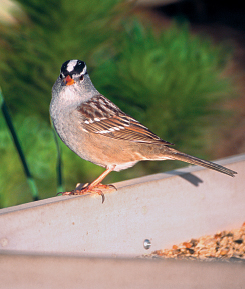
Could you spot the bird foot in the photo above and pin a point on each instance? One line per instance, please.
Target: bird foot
(87, 189)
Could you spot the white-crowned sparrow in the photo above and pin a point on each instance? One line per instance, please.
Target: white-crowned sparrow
(98, 131)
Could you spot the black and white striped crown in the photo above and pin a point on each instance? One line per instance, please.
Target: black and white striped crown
(74, 66)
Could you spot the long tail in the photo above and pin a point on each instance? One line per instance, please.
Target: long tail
(176, 155)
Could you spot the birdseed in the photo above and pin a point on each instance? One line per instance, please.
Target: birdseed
(225, 245)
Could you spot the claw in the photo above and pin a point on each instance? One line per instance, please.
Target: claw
(103, 197)
(102, 186)
(85, 189)
(112, 186)
(66, 193)
(94, 187)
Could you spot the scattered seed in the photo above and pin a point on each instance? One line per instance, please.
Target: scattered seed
(227, 245)
(238, 241)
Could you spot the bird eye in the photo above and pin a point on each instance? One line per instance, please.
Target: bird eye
(81, 77)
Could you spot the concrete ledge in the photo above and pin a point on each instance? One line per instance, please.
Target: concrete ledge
(165, 208)
(35, 271)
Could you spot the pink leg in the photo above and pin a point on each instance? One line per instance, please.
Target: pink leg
(99, 179)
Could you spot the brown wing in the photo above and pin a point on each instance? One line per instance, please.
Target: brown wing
(101, 116)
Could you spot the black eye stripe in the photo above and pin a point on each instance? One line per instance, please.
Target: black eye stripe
(64, 66)
(79, 67)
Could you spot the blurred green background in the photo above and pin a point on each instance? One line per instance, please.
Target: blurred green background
(169, 79)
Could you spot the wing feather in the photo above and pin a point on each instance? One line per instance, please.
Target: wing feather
(102, 117)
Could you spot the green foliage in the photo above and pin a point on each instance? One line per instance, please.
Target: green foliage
(37, 140)
(38, 144)
(170, 82)
(50, 33)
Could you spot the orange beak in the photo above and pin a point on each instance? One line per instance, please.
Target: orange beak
(68, 80)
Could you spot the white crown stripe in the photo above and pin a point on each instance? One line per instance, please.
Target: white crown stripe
(71, 64)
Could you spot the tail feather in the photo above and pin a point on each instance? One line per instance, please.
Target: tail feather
(196, 161)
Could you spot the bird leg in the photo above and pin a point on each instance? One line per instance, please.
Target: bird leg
(92, 188)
